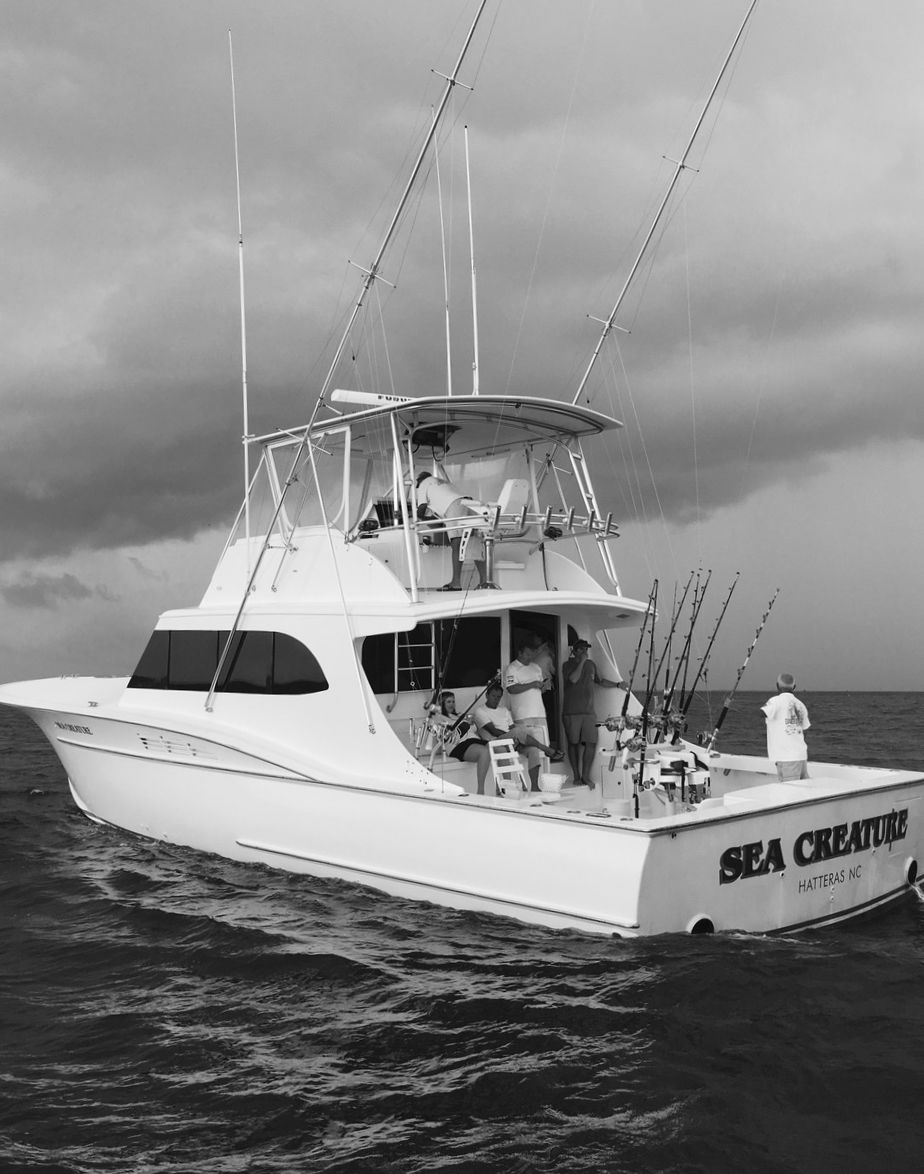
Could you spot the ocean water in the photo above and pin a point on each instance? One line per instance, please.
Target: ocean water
(165, 1011)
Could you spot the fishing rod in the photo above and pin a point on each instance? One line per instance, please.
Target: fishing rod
(715, 631)
(495, 680)
(649, 682)
(667, 671)
(686, 659)
(649, 611)
(667, 644)
(683, 660)
(443, 659)
(441, 734)
(731, 697)
(620, 725)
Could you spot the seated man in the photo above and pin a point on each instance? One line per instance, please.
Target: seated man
(496, 721)
(444, 500)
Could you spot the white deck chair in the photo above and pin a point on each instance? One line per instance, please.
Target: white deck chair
(514, 495)
(507, 768)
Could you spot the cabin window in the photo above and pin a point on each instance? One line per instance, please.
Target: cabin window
(193, 659)
(408, 662)
(151, 672)
(473, 654)
(257, 662)
(295, 670)
(248, 667)
(378, 658)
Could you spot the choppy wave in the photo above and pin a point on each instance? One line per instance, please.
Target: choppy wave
(167, 1011)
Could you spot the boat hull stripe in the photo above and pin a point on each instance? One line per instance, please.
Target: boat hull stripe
(196, 764)
(844, 914)
(570, 914)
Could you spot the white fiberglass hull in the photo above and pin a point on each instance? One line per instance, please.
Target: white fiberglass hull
(775, 857)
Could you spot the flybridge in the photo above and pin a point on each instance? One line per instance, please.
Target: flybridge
(519, 462)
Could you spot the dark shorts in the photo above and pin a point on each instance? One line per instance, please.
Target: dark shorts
(579, 727)
(459, 751)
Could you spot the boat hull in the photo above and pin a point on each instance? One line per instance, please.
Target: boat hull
(775, 860)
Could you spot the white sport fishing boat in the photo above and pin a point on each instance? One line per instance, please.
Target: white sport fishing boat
(287, 719)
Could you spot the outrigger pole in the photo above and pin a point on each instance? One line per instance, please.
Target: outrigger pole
(680, 166)
(370, 276)
(240, 237)
(471, 249)
(731, 697)
(439, 199)
(372, 272)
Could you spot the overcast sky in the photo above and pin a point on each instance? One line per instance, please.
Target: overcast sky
(771, 378)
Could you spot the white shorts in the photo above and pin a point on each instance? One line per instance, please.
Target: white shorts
(536, 728)
(456, 512)
(792, 772)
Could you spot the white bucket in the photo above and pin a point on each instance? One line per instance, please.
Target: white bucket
(550, 782)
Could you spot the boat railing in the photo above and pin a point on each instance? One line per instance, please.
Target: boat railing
(491, 524)
(489, 520)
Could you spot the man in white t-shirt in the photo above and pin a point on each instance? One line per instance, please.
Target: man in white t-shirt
(445, 500)
(525, 683)
(787, 720)
(496, 721)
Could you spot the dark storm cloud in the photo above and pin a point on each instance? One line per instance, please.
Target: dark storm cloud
(121, 381)
(49, 591)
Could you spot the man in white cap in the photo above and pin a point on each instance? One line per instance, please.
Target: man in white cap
(578, 710)
(787, 721)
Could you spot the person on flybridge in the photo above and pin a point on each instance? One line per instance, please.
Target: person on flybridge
(446, 501)
(787, 721)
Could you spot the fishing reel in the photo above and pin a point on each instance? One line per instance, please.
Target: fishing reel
(616, 725)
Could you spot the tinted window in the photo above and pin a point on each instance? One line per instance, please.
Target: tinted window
(379, 662)
(295, 669)
(151, 672)
(472, 656)
(193, 658)
(256, 662)
(467, 653)
(248, 667)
